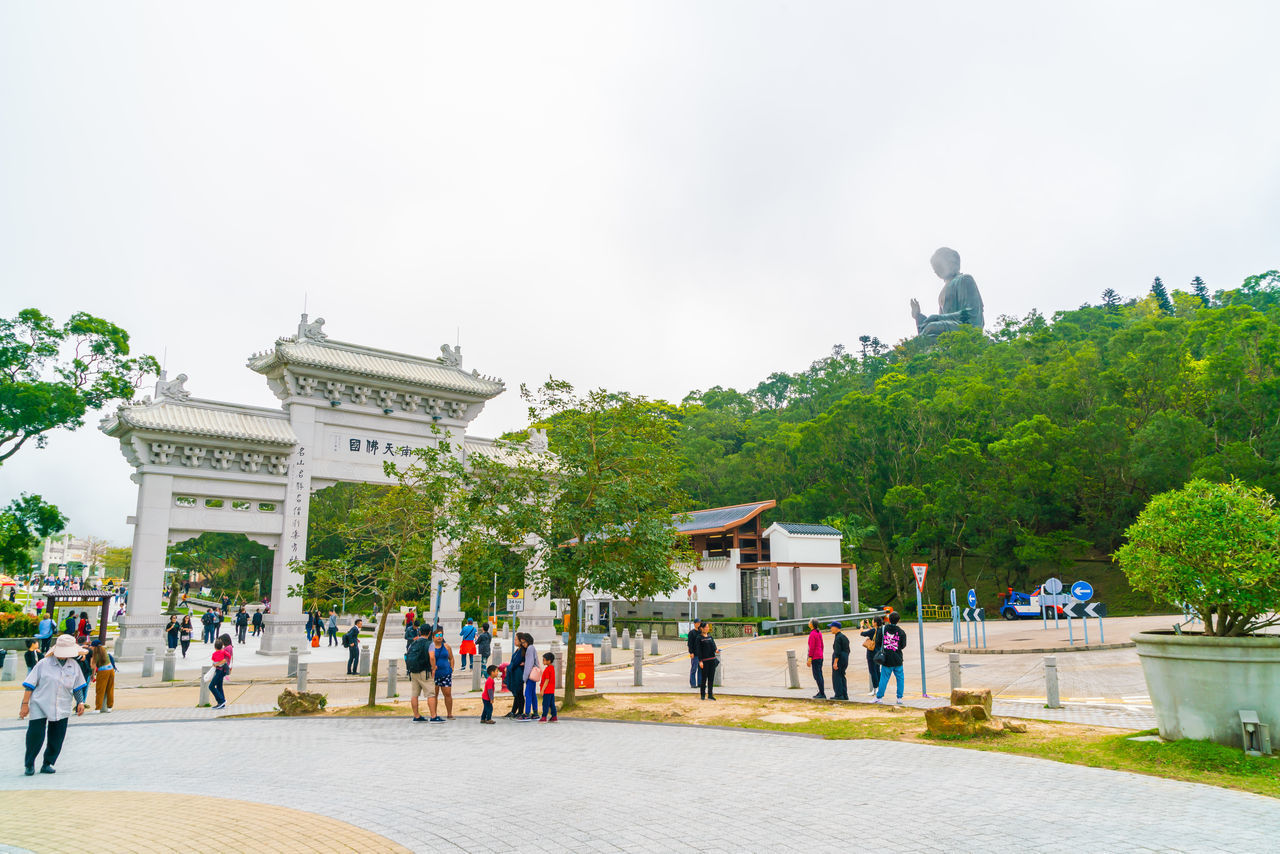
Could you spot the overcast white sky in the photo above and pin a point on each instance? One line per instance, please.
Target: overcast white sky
(648, 196)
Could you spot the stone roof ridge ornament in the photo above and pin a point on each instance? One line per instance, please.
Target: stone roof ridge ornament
(167, 389)
(311, 331)
(451, 356)
(538, 440)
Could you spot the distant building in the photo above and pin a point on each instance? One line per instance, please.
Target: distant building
(745, 571)
(63, 550)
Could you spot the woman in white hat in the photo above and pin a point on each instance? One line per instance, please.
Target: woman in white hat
(50, 699)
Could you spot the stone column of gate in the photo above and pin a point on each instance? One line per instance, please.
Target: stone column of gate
(144, 620)
(285, 626)
(451, 616)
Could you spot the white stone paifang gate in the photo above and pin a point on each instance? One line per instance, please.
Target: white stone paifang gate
(202, 465)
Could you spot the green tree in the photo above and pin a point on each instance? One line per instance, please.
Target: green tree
(51, 376)
(1111, 300)
(1213, 546)
(117, 562)
(24, 524)
(1201, 290)
(603, 519)
(1161, 295)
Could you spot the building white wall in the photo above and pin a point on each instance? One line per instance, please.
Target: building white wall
(721, 571)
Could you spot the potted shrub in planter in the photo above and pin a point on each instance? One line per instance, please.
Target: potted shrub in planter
(1215, 547)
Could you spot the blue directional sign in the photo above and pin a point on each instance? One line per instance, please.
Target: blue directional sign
(1082, 591)
(973, 598)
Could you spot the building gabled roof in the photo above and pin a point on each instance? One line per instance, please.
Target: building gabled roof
(375, 364)
(806, 528)
(203, 418)
(718, 519)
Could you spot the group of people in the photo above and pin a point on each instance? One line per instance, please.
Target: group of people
(884, 643)
(318, 627)
(211, 625)
(702, 660)
(76, 625)
(55, 687)
(525, 676)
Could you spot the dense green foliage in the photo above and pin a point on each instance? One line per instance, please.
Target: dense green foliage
(1214, 546)
(24, 523)
(1016, 451)
(51, 375)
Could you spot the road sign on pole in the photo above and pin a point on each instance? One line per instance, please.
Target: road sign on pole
(1082, 590)
(1053, 587)
(920, 570)
(973, 598)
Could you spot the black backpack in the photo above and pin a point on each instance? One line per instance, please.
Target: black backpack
(418, 658)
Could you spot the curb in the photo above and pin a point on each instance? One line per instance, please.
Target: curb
(1093, 647)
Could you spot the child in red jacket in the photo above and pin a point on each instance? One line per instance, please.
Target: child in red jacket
(547, 687)
(486, 696)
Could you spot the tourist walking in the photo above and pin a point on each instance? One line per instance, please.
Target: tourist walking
(417, 661)
(171, 632)
(872, 632)
(242, 623)
(104, 678)
(547, 688)
(257, 622)
(44, 632)
(530, 681)
(442, 675)
(32, 655)
(351, 640)
(221, 669)
(184, 634)
(707, 663)
(515, 678)
(333, 627)
(467, 649)
(49, 698)
(815, 658)
(839, 663)
(484, 646)
(692, 640)
(206, 623)
(893, 642)
(219, 616)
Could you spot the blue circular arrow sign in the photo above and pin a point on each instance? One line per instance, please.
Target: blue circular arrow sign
(973, 598)
(1082, 591)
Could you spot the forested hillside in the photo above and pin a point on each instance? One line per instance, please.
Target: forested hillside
(1010, 454)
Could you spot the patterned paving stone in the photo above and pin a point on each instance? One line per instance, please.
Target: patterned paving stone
(598, 786)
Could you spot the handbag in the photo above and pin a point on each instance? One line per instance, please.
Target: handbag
(869, 643)
(208, 675)
(878, 658)
(315, 640)
(535, 674)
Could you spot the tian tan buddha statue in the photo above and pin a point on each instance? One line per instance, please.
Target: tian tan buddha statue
(958, 303)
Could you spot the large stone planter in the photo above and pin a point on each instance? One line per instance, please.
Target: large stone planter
(1198, 684)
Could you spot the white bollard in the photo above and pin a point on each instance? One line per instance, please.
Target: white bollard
(497, 654)
(653, 643)
(637, 666)
(168, 668)
(606, 652)
(475, 677)
(719, 680)
(613, 636)
(1051, 682)
(793, 670)
(10, 668)
(206, 698)
(953, 662)
(149, 662)
(558, 663)
(393, 668)
(626, 638)
(366, 660)
(293, 663)
(302, 676)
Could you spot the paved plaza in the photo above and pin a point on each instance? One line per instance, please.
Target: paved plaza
(599, 786)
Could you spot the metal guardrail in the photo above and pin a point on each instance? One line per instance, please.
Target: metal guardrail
(769, 625)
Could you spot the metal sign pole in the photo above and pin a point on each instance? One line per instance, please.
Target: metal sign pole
(920, 571)
(1085, 621)
(984, 631)
(1101, 639)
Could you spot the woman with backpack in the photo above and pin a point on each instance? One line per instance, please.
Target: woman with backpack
(872, 631)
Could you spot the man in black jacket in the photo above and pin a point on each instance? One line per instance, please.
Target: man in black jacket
(893, 642)
(206, 623)
(695, 634)
(257, 622)
(242, 623)
(839, 663)
(351, 640)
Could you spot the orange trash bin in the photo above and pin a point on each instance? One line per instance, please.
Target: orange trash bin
(584, 670)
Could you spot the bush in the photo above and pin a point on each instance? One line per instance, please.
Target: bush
(1213, 546)
(7, 607)
(17, 625)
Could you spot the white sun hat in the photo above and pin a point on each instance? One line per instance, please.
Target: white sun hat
(66, 647)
